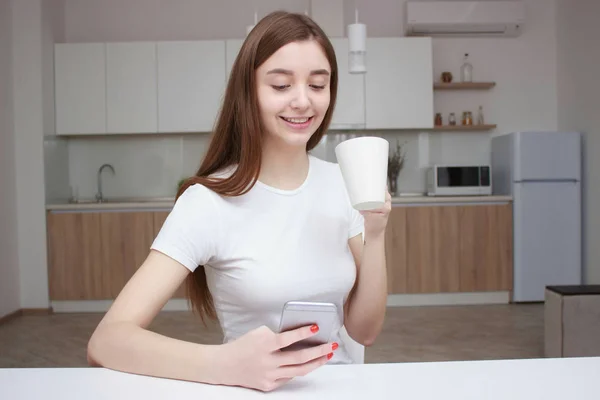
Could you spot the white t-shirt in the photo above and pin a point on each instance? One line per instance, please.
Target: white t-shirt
(267, 247)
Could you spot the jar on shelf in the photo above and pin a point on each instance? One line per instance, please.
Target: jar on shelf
(451, 119)
(466, 70)
(446, 77)
(467, 118)
(438, 119)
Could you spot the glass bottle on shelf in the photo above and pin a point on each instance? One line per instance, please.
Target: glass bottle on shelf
(74, 198)
(480, 119)
(466, 70)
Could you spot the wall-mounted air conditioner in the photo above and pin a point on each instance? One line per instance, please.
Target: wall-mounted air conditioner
(464, 18)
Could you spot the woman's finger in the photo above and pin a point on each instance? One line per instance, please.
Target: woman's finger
(292, 371)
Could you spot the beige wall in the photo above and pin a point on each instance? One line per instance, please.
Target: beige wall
(9, 257)
(578, 105)
(53, 30)
(56, 156)
(29, 124)
(117, 20)
(34, 25)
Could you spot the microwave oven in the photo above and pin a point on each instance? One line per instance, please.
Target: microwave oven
(459, 180)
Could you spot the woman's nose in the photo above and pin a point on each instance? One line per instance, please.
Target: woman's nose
(301, 100)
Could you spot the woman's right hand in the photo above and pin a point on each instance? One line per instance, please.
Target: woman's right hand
(256, 361)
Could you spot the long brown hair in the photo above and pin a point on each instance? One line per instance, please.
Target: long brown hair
(237, 135)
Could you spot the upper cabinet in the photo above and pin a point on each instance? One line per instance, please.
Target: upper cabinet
(399, 83)
(150, 87)
(349, 111)
(191, 83)
(131, 91)
(80, 88)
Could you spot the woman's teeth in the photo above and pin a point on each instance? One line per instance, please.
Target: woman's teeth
(296, 120)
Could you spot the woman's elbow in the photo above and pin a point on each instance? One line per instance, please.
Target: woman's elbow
(91, 361)
(366, 339)
(92, 351)
(94, 347)
(369, 341)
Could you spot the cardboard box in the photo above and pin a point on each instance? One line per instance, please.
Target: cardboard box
(572, 321)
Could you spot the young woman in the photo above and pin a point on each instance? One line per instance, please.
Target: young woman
(263, 222)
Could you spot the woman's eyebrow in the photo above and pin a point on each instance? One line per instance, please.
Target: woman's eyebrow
(288, 72)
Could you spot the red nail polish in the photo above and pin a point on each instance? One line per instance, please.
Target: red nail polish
(329, 356)
(314, 328)
(334, 346)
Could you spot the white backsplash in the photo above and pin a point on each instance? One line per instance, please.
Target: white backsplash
(193, 150)
(459, 148)
(56, 167)
(152, 165)
(422, 149)
(145, 165)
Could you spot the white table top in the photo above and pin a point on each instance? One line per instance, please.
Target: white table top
(547, 379)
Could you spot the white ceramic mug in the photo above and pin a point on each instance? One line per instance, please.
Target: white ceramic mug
(364, 162)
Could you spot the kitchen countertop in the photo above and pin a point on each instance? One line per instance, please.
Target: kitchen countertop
(450, 199)
(161, 203)
(166, 203)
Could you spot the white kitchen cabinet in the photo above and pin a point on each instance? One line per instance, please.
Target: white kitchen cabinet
(232, 48)
(191, 84)
(349, 112)
(131, 89)
(399, 83)
(80, 88)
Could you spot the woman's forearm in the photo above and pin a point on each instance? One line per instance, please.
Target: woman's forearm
(366, 308)
(129, 348)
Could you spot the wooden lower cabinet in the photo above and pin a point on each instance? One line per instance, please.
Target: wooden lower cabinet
(92, 255)
(486, 248)
(449, 249)
(75, 267)
(125, 238)
(432, 256)
(395, 251)
(429, 249)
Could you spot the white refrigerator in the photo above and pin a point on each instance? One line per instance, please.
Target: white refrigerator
(542, 171)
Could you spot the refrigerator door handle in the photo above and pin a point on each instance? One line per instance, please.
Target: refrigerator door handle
(547, 181)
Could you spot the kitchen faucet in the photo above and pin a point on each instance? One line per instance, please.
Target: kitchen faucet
(99, 196)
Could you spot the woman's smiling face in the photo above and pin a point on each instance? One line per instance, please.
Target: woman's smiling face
(293, 92)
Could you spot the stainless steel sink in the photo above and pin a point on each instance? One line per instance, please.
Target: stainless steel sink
(139, 200)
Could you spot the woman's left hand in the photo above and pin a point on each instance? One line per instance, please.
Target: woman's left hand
(376, 220)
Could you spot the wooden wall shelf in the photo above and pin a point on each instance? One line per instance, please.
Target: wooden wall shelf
(464, 85)
(459, 127)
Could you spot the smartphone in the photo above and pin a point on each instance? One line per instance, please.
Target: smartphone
(297, 314)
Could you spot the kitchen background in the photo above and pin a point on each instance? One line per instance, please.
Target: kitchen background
(525, 95)
(546, 79)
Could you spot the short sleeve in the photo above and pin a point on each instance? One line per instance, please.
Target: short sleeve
(357, 222)
(189, 234)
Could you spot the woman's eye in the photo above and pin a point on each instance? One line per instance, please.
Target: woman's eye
(281, 88)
